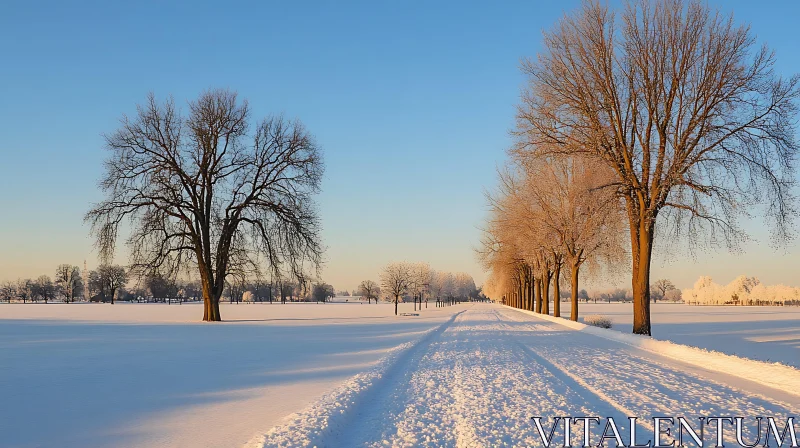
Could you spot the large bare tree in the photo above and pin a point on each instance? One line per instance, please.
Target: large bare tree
(681, 104)
(206, 192)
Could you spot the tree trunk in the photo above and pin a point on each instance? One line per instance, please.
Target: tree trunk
(556, 292)
(539, 295)
(546, 293)
(529, 293)
(211, 304)
(395, 305)
(211, 309)
(642, 249)
(574, 277)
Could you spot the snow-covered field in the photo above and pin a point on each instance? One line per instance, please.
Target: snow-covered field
(341, 375)
(139, 375)
(765, 333)
(477, 380)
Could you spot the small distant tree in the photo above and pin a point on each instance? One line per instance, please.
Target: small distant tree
(24, 289)
(321, 292)
(68, 282)
(248, 297)
(236, 286)
(106, 280)
(673, 295)
(395, 279)
(370, 290)
(96, 287)
(7, 290)
(160, 286)
(660, 288)
(43, 289)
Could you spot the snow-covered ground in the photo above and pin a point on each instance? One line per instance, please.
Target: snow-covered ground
(338, 375)
(139, 375)
(477, 380)
(765, 333)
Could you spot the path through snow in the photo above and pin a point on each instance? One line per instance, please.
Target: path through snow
(477, 379)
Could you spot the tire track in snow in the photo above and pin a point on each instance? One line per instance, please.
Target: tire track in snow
(605, 406)
(335, 414)
(477, 389)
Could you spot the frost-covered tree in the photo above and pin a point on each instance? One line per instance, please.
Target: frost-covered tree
(673, 295)
(742, 290)
(420, 279)
(550, 212)
(248, 297)
(395, 280)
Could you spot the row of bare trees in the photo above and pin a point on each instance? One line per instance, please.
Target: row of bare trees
(419, 282)
(547, 218)
(666, 115)
(67, 286)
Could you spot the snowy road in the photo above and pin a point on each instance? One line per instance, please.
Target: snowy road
(477, 379)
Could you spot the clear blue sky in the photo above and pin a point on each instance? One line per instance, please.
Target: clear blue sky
(411, 101)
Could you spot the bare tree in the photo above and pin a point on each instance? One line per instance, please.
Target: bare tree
(43, 289)
(395, 280)
(419, 281)
(7, 290)
(662, 286)
(23, 289)
(161, 286)
(68, 281)
(203, 194)
(370, 290)
(112, 277)
(676, 99)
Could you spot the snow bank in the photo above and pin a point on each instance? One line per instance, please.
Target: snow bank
(775, 375)
(597, 320)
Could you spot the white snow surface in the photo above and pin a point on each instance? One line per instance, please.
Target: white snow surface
(476, 381)
(344, 375)
(776, 375)
(764, 333)
(152, 375)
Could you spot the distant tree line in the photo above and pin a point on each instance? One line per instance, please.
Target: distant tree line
(114, 283)
(742, 290)
(406, 282)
